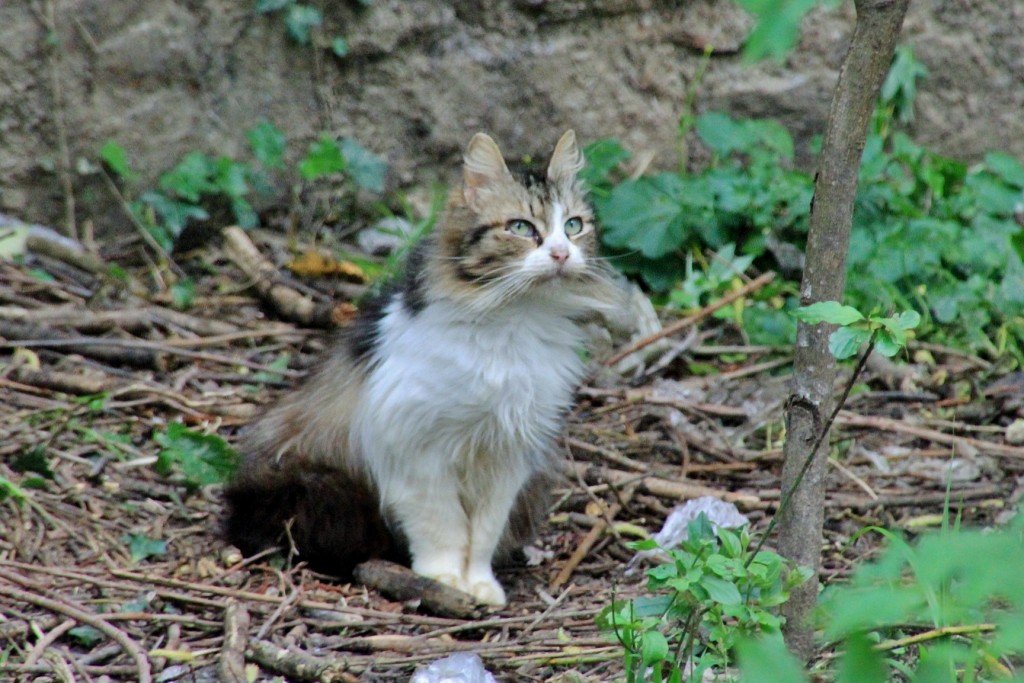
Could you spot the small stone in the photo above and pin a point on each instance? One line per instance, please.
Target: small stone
(1015, 432)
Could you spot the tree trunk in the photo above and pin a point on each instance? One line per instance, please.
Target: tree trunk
(860, 78)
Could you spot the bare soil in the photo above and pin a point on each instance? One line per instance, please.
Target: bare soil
(95, 366)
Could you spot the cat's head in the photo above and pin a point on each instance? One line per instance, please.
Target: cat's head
(510, 233)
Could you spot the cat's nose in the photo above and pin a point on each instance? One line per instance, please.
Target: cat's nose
(559, 253)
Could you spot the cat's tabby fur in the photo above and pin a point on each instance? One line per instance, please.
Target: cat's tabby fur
(428, 432)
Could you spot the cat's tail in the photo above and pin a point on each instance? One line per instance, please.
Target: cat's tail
(323, 515)
(299, 489)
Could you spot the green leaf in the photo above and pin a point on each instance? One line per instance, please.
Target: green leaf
(267, 143)
(230, 177)
(908, 320)
(339, 46)
(900, 86)
(771, 135)
(191, 178)
(887, 344)
(645, 544)
(244, 213)
(731, 545)
(34, 483)
(116, 158)
(1006, 167)
(777, 28)
(767, 660)
(202, 458)
(850, 610)
(860, 662)
(646, 214)
(997, 197)
(174, 215)
(844, 342)
(267, 6)
(141, 546)
(14, 239)
(324, 158)
(663, 571)
(33, 460)
(8, 489)
(653, 647)
(41, 275)
(721, 591)
(87, 635)
(722, 134)
(828, 312)
(366, 168)
(603, 156)
(1017, 242)
(300, 20)
(183, 293)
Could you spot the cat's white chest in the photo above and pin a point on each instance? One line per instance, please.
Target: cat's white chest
(500, 387)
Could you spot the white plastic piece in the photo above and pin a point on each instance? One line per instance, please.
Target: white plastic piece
(461, 667)
(719, 513)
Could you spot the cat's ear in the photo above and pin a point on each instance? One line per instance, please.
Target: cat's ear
(566, 161)
(483, 166)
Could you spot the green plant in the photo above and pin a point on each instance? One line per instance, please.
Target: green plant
(141, 546)
(778, 26)
(930, 233)
(201, 459)
(888, 334)
(948, 607)
(347, 158)
(302, 23)
(198, 185)
(185, 192)
(651, 223)
(711, 593)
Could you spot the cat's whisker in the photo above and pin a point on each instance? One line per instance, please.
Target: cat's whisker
(615, 257)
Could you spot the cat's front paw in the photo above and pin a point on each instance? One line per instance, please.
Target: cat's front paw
(488, 592)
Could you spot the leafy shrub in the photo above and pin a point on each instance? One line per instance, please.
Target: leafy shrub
(949, 607)
(651, 223)
(186, 193)
(929, 232)
(713, 592)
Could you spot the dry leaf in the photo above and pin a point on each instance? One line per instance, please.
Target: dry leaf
(315, 264)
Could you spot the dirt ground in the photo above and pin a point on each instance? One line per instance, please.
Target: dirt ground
(95, 366)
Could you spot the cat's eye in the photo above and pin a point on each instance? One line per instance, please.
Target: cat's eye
(521, 228)
(574, 226)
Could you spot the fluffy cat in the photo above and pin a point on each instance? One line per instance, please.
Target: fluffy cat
(427, 432)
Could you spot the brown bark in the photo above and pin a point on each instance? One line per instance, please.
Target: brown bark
(860, 78)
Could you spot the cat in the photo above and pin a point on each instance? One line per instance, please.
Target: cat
(427, 434)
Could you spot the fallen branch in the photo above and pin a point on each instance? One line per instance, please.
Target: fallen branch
(288, 302)
(932, 634)
(108, 350)
(132, 320)
(886, 501)
(402, 584)
(657, 486)
(299, 665)
(848, 419)
(231, 668)
(81, 384)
